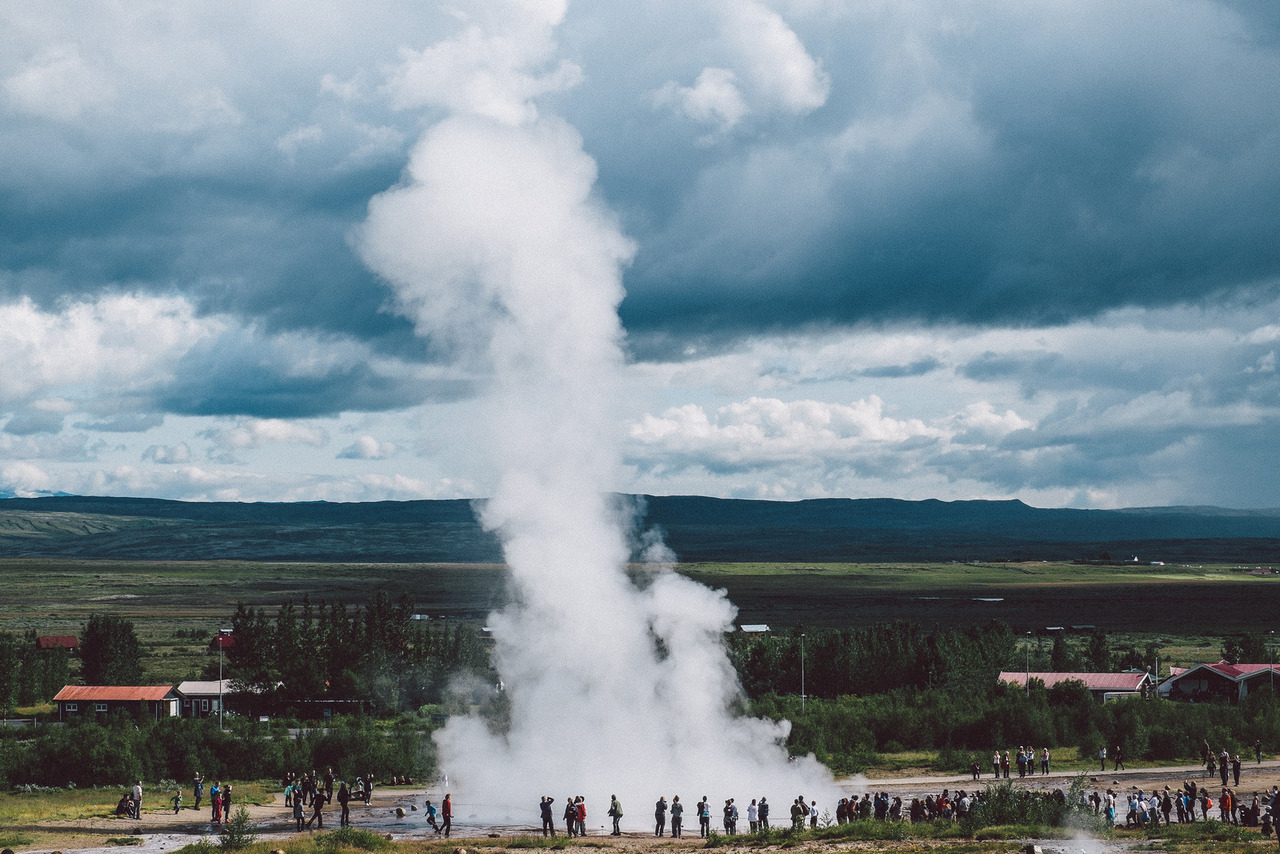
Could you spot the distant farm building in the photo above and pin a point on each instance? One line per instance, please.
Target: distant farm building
(154, 701)
(1103, 686)
(202, 699)
(57, 642)
(1220, 682)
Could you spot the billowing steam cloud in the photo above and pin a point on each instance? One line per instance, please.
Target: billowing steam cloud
(498, 250)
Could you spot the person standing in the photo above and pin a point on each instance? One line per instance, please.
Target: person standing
(730, 817)
(1235, 769)
(344, 803)
(548, 820)
(813, 813)
(753, 816)
(215, 802)
(582, 815)
(446, 815)
(1257, 750)
(615, 813)
(764, 814)
(1119, 758)
(1044, 761)
(299, 816)
(677, 816)
(137, 800)
(197, 786)
(570, 816)
(660, 816)
(328, 784)
(1102, 758)
(1224, 765)
(704, 817)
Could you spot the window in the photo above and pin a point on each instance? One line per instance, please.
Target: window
(204, 705)
(99, 707)
(72, 707)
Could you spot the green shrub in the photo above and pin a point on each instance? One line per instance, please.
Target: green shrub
(351, 837)
(238, 831)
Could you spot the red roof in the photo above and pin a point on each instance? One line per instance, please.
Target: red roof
(222, 642)
(57, 642)
(1236, 672)
(1092, 681)
(118, 693)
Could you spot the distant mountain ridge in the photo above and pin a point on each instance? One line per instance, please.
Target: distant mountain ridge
(696, 528)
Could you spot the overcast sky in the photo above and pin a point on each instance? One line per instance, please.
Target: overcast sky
(912, 248)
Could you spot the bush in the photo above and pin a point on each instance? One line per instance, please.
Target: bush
(238, 831)
(350, 837)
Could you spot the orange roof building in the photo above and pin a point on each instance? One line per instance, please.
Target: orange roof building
(155, 701)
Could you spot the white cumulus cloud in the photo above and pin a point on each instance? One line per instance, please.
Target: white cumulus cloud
(368, 448)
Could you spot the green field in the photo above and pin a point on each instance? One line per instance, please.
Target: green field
(1189, 607)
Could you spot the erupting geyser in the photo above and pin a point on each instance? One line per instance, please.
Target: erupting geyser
(497, 249)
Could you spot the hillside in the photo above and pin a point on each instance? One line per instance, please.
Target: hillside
(696, 528)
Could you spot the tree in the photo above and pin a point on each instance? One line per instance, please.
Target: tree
(110, 653)
(1060, 658)
(10, 659)
(1099, 652)
(1245, 649)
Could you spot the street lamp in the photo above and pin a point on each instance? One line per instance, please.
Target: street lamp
(1028, 664)
(802, 673)
(223, 635)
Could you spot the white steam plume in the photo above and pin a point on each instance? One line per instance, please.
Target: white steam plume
(497, 248)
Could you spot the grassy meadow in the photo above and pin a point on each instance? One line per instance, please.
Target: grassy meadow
(176, 606)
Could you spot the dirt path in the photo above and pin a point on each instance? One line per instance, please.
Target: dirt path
(162, 830)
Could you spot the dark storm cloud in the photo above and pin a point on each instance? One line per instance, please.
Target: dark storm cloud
(1047, 168)
(914, 369)
(268, 378)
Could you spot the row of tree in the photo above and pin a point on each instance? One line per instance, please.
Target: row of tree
(890, 656)
(378, 654)
(28, 674)
(847, 732)
(117, 751)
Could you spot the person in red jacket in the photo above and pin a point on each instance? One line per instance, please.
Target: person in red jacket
(446, 813)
